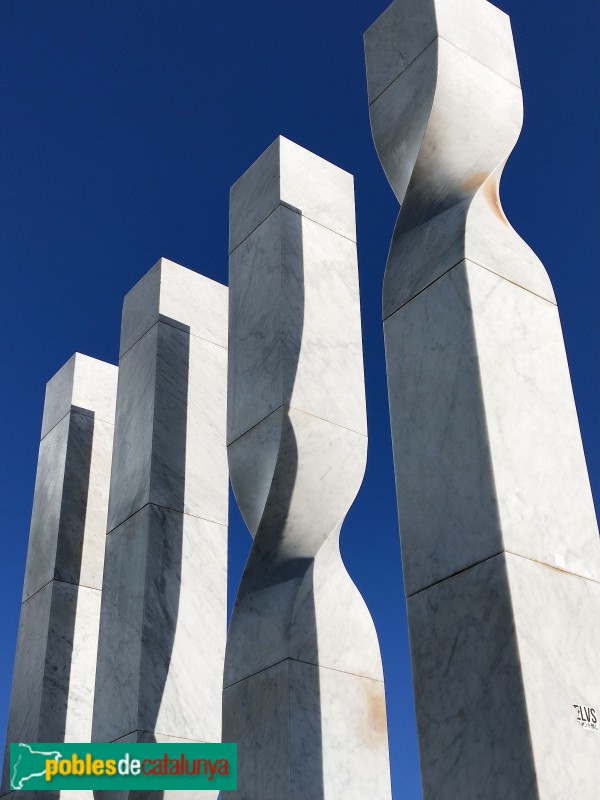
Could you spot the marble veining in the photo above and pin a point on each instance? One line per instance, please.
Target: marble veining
(303, 686)
(314, 274)
(163, 616)
(182, 297)
(53, 682)
(291, 175)
(84, 382)
(500, 545)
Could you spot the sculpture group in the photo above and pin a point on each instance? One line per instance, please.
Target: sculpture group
(263, 382)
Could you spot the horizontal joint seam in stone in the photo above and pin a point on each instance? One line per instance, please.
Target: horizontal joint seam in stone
(306, 663)
(167, 508)
(301, 411)
(433, 41)
(495, 555)
(177, 328)
(58, 580)
(424, 289)
(456, 47)
(564, 571)
(508, 280)
(455, 574)
(475, 264)
(283, 204)
(82, 413)
(161, 733)
(487, 66)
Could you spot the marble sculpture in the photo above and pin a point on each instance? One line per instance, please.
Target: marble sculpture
(163, 620)
(53, 683)
(499, 537)
(303, 687)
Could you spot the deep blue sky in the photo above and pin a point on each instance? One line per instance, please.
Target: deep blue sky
(123, 125)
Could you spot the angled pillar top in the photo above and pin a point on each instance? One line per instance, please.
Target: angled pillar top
(179, 296)
(446, 111)
(84, 382)
(287, 174)
(408, 27)
(68, 522)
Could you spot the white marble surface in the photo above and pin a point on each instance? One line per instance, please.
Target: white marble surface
(170, 427)
(483, 31)
(47, 503)
(452, 210)
(84, 382)
(275, 615)
(344, 637)
(566, 756)
(501, 653)
(395, 39)
(163, 620)
(352, 734)
(300, 281)
(499, 537)
(256, 712)
(184, 298)
(544, 496)
(68, 520)
(163, 624)
(291, 175)
(478, 369)
(132, 454)
(446, 124)
(28, 677)
(297, 452)
(472, 722)
(53, 682)
(313, 761)
(78, 723)
(408, 27)
(56, 650)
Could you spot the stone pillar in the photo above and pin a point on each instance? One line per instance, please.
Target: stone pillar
(163, 623)
(499, 537)
(304, 694)
(53, 683)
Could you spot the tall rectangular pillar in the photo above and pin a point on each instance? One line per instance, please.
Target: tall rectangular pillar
(53, 684)
(163, 624)
(304, 695)
(499, 536)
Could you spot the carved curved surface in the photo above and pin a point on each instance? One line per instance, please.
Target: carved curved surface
(304, 693)
(492, 485)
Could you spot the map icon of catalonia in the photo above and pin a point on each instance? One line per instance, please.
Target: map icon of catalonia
(29, 763)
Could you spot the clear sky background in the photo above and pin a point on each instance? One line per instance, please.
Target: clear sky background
(124, 123)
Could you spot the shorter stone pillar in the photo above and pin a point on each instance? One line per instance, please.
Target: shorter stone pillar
(53, 684)
(163, 625)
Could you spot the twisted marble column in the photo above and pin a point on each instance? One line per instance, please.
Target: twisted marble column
(499, 536)
(53, 683)
(163, 623)
(304, 695)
